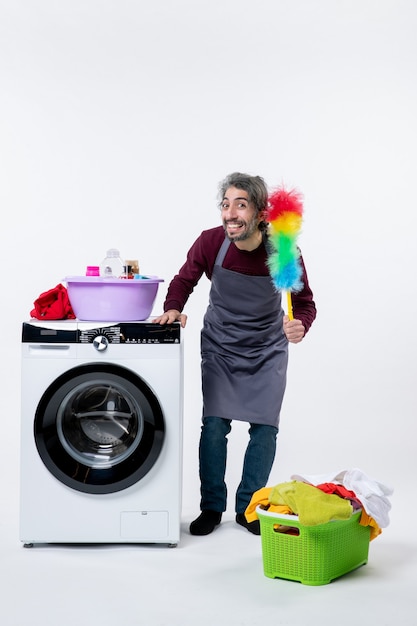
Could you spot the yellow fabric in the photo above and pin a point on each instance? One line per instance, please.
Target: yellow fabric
(312, 505)
(261, 498)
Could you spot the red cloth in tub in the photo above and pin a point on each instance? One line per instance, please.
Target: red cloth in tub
(53, 305)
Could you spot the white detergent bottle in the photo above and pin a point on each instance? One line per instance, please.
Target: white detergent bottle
(112, 265)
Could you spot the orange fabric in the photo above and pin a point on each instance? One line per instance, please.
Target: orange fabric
(367, 520)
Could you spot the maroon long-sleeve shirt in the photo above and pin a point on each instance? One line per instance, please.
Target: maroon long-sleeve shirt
(200, 260)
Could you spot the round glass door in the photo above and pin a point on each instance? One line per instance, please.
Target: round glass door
(99, 428)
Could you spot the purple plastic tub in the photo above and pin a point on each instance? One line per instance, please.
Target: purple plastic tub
(112, 299)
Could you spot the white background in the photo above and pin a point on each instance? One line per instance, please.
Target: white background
(118, 118)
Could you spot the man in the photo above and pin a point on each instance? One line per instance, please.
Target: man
(244, 344)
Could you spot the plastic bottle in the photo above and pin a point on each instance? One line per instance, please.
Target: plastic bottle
(112, 265)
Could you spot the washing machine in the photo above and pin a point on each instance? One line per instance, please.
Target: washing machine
(101, 432)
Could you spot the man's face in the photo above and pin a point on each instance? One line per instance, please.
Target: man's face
(239, 215)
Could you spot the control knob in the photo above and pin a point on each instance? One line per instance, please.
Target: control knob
(100, 343)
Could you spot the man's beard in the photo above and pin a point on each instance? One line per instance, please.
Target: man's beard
(250, 228)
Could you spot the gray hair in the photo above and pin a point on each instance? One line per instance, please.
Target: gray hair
(254, 186)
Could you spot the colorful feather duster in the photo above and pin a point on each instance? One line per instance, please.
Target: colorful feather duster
(285, 216)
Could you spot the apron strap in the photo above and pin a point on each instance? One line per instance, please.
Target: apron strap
(222, 252)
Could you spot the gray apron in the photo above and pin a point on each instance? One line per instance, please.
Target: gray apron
(243, 347)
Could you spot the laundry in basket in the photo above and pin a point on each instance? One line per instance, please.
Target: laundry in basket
(314, 533)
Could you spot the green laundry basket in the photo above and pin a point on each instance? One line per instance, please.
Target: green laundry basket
(312, 555)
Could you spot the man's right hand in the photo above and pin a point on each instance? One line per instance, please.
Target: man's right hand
(171, 316)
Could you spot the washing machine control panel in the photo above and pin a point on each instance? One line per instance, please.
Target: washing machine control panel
(100, 334)
(131, 333)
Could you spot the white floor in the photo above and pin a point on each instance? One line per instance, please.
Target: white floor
(210, 580)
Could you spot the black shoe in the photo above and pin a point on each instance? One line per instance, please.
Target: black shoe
(253, 527)
(205, 523)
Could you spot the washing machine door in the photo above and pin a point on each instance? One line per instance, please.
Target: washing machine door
(99, 428)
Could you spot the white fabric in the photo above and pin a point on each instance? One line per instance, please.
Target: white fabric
(372, 493)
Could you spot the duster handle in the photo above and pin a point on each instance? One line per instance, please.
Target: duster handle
(289, 306)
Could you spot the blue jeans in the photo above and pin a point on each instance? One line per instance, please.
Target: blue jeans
(257, 464)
